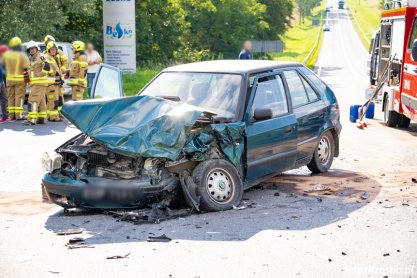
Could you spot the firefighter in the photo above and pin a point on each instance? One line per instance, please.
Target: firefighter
(53, 91)
(17, 64)
(62, 62)
(38, 81)
(77, 75)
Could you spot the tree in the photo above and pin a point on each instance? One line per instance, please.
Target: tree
(278, 16)
(306, 6)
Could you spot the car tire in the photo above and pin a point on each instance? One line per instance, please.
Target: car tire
(218, 185)
(323, 154)
(404, 122)
(391, 118)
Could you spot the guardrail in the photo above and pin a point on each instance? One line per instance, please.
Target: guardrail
(316, 43)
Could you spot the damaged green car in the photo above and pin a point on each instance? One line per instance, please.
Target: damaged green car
(201, 132)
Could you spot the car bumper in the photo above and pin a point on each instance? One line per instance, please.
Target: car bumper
(104, 193)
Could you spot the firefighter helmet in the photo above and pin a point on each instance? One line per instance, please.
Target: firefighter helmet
(32, 44)
(78, 46)
(48, 38)
(16, 41)
(50, 45)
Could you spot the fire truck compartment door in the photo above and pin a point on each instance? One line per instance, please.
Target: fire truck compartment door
(397, 41)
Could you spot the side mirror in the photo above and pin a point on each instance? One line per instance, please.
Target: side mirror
(262, 114)
(414, 51)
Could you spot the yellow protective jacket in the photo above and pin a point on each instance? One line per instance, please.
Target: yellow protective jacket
(38, 76)
(15, 62)
(53, 78)
(78, 71)
(62, 61)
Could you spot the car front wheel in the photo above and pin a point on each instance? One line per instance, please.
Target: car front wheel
(218, 185)
(323, 154)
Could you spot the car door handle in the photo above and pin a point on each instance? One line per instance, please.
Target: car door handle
(288, 130)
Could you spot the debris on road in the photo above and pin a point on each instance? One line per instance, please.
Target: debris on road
(414, 180)
(69, 232)
(162, 238)
(386, 254)
(118, 257)
(75, 240)
(344, 254)
(365, 196)
(154, 215)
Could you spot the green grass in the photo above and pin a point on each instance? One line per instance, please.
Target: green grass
(300, 39)
(368, 14)
(133, 83)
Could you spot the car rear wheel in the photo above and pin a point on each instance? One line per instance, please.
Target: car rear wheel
(404, 122)
(323, 154)
(391, 118)
(219, 185)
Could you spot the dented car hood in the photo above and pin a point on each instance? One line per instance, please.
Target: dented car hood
(139, 126)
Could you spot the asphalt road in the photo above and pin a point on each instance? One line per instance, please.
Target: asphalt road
(359, 220)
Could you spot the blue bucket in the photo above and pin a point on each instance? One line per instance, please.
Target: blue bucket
(354, 113)
(370, 113)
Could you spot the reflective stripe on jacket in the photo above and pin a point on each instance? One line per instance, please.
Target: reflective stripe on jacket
(78, 71)
(38, 76)
(15, 62)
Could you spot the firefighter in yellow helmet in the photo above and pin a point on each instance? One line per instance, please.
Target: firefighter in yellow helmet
(77, 75)
(55, 82)
(17, 65)
(62, 62)
(38, 75)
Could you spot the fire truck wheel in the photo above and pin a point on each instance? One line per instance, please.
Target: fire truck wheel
(323, 154)
(391, 118)
(404, 122)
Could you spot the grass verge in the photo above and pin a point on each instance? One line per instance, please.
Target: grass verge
(301, 37)
(133, 83)
(366, 15)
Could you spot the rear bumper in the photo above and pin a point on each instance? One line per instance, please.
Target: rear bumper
(104, 193)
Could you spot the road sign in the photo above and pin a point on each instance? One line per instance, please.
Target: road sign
(265, 46)
(119, 32)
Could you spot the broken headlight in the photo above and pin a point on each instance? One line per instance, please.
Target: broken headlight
(51, 162)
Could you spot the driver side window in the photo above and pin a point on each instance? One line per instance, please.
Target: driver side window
(270, 93)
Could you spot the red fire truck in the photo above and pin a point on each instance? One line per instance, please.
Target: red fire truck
(396, 41)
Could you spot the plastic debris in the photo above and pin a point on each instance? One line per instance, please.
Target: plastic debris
(162, 238)
(69, 232)
(118, 257)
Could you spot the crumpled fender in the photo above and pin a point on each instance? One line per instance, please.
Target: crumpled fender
(140, 125)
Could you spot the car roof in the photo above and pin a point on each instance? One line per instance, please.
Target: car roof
(232, 66)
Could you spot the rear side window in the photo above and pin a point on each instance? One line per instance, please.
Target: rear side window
(296, 87)
(312, 95)
(270, 93)
(314, 79)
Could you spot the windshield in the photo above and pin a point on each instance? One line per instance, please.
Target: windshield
(217, 93)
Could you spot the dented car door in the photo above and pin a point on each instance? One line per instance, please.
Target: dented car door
(271, 139)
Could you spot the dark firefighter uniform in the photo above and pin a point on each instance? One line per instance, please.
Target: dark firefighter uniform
(17, 65)
(77, 75)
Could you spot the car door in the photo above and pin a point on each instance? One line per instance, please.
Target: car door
(271, 141)
(107, 83)
(309, 110)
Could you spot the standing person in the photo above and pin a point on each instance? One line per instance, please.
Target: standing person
(246, 53)
(17, 65)
(94, 60)
(78, 71)
(55, 82)
(3, 93)
(62, 62)
(38, 75)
